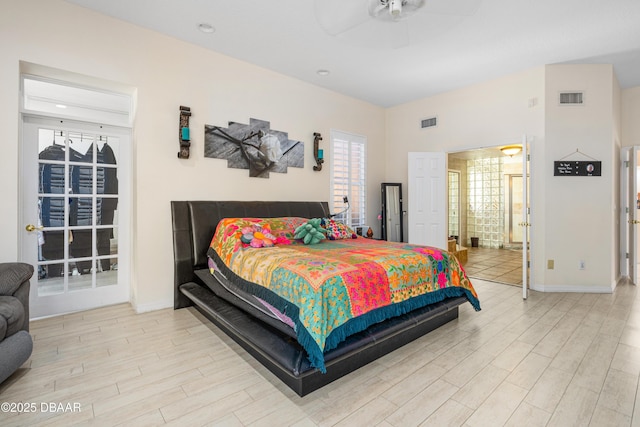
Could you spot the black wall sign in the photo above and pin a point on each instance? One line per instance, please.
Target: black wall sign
(573, 168)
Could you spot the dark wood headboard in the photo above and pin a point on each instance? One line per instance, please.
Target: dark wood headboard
(194, 223)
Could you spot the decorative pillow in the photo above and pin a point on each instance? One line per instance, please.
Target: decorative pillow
(337, 230)
(233, 234)
(257, 236)
(311, 233)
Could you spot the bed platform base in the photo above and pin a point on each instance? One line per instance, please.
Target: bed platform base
(279, 353)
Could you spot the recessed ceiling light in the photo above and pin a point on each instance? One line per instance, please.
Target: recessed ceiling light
(61, 106)
(323, 72)
(206, 28)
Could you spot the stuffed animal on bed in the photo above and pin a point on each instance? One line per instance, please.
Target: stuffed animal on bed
(311, 232)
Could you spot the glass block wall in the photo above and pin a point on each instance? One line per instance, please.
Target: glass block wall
(485, 198)
(454, 204)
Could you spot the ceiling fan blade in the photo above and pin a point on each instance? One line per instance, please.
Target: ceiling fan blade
(451, 7)
(368, 23)
(412, 5)
(337, 16)
(376, 8)
(381, 11)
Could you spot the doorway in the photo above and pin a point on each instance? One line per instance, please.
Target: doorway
(75, 197)
(490, 212)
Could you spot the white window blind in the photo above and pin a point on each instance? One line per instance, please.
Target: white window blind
(348, 177)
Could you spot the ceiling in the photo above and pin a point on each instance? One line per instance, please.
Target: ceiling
(481, 153)
(499, 37)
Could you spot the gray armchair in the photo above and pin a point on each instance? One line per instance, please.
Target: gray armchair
(15, 342)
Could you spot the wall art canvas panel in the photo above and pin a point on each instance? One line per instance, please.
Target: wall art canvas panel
(255, 146)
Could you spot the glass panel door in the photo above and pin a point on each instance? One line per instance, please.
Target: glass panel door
(515, 208)
(72, 210)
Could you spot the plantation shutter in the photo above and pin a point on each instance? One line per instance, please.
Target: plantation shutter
(348, 162)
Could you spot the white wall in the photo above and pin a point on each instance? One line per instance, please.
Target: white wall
(581, 212)
(630, 112)
(572, 219)
(167, 73)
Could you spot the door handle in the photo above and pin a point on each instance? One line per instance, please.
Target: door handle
(31, 227)
(634, 221)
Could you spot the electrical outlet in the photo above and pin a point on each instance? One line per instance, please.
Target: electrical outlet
(550, 263)
(581, 265)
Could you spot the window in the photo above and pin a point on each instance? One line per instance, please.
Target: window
(349, 177)
(62, 99)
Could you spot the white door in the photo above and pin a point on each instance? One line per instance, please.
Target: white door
(625, 210)
(631, 203)
(427, 205)
(633, 215)
(75, 214)
(525, 217)
(515, 209)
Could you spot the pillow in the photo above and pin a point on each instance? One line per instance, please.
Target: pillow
(337, 230)
(229, 234)
(257, 236)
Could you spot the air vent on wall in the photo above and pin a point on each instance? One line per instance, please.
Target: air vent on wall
(571, 98)
(429, 123)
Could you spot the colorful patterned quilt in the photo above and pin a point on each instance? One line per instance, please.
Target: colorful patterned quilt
(337, 287)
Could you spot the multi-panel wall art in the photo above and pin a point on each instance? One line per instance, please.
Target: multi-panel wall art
(254, 146)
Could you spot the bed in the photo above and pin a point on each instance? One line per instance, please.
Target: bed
(262, 321)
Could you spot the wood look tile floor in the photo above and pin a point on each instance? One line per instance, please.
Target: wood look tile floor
(556, 359)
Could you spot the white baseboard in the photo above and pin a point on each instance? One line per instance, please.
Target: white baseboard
(572, 288)
(153, 306)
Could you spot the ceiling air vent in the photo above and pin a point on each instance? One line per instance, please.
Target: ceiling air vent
(571, 98)
(429, 123)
